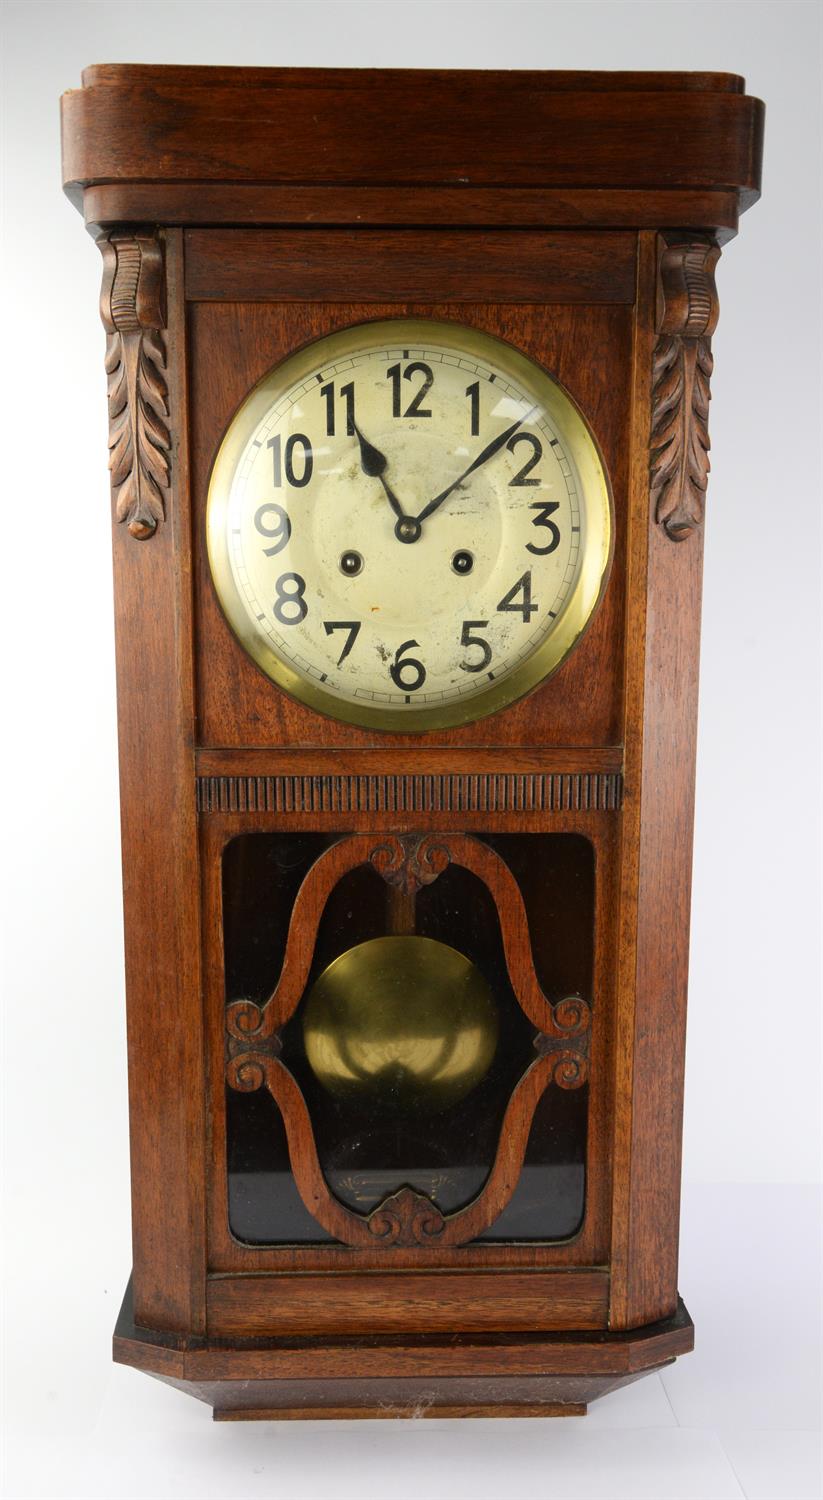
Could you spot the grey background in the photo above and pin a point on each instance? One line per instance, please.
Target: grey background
(753, 1045)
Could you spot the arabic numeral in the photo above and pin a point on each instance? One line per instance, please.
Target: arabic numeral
(525, 606)
(473, 393)
(279, 529)
(290, 590)
(408, 664)
(285, 459)
(353, 628)
(467, 639)
(347, 395)
(546, 508)
(414, 409)
(537, 453)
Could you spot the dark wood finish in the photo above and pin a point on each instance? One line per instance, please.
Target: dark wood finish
(407, 1219)
(410, 1402)
(591, 1245)
(132, 309)
(484, 793)
(293, 203)
(376, 265)
(661, 711)
(458, 1374)
(252, 1306)
(233, 345)
(156, 716)
(380, 762)
(660, 131)
(383, 79)
(112, 203)
(687, 311)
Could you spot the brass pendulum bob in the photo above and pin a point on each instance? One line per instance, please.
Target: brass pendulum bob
(405, 1020)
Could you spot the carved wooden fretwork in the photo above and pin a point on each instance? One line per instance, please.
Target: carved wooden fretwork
(407, 1218)
(409, 862)
(133, 313)
(687, 311)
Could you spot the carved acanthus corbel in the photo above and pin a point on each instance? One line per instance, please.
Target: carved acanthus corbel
(687, 311)
(133, 312)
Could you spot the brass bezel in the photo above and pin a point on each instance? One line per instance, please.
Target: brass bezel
(595, 497)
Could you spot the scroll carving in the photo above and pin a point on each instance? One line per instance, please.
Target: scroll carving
(410, 862)
(407, 1218)
(133, 313)
(687, 311)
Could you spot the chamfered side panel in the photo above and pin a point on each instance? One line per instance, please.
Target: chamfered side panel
(657, 821)
(155, 695)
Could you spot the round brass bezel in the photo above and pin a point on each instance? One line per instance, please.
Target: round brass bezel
(594, 493)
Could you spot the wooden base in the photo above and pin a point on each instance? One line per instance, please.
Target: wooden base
(411, 1376)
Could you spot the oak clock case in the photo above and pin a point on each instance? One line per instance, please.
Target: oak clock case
(489, 474)
(408, 481)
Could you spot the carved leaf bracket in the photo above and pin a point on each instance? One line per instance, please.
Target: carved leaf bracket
(133, 313)
(687, 312)
(407, 1218)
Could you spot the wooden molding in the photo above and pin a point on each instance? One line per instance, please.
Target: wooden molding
(687, 311)
(487, 792)
(132, 307)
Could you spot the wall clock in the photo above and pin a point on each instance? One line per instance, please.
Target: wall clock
(409, 455)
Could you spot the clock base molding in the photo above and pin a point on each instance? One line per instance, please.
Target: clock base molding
(402, 1376)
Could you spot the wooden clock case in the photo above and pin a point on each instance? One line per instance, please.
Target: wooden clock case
(242, 213)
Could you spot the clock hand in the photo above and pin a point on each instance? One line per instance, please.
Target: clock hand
(374, 464)
(488, 452)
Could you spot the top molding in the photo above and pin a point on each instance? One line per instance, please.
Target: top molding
(199, 145)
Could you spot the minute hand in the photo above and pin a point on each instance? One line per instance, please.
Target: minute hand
(488, 452)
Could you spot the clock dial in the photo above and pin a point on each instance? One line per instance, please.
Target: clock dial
(408, 525)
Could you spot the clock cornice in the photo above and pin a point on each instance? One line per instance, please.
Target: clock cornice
(274, 146)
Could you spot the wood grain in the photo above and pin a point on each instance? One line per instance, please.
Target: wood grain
(253, 1306)
(455, 128)
(336, 795)
(132, 307)
(581, 1352)
(376, 265)
(687, 311)
(232, 347)
(156, 716)
(661, 708)
(112, 203)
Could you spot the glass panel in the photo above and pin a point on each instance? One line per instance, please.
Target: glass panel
(550, 1196)
(264, 1204)
(407, 1073)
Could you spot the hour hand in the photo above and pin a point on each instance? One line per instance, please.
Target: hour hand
(374, 464)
